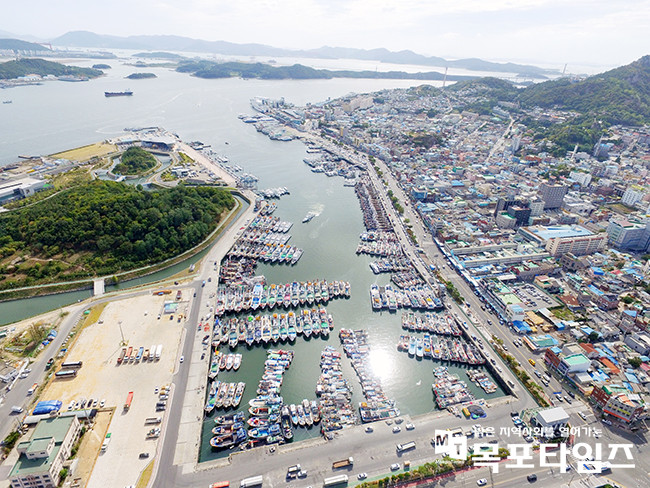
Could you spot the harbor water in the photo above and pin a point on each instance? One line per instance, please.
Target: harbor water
(57, 116)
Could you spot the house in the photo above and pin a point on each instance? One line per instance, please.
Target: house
(42, 456)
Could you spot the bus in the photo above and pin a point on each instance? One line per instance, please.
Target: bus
(341, 479)
(405, 447)
(72, 365)
(252, 481)
(66, 373)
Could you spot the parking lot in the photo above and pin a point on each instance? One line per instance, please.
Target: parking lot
(132, 322)
(532, 298)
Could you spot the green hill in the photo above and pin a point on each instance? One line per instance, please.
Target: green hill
(619, 96)
(21, 46)
(104, 227)
(135, 161)
(26, 66)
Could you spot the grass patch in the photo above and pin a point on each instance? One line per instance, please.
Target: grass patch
(185, 159)
(93, 316)
(563, 313)
(143, 481)
(85, 153)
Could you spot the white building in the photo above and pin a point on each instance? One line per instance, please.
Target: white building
(633, 195)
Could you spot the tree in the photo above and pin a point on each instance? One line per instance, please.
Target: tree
(635, 362)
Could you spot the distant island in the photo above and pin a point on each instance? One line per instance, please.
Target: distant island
(19, 46)
(26, 66)
(140, 76)
(186, 44)
(159, 55)
(212, 69)
(101, 66)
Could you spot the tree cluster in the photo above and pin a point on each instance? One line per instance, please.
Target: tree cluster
(104, 227)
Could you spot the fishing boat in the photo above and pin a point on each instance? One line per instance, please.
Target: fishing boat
(236, 362)
(239, 391)
(229, 419)
(412, 346)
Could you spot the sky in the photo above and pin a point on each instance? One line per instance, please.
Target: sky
(602, 33)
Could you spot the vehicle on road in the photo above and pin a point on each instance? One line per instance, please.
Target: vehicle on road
(182, 359)
(362, 476)
(531, 478)
(481, 482)
(341, 479)
(252, 481)
(410, 426)
(343, 463)
(607, 422)
(369, 429)
(397, 429)
(143, 455)
(405, 447)
(394, 466)
(582, 415)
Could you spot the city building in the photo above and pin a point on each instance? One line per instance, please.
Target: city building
(42, 456)
(563, 239)
(553, 195)
(633, 195)
(639, 342)
(23, 188)
(616, 400)
(551, 421)
(633, 236)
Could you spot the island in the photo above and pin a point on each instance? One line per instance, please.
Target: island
(140, 76)
(34, 66)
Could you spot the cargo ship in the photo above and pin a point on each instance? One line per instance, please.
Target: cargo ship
(127, 93)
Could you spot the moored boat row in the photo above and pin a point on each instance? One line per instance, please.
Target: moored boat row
(246, 297)
(377, 405)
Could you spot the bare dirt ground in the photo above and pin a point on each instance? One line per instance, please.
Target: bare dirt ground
(133, 322)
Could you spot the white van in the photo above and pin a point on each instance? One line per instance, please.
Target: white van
(16, 409)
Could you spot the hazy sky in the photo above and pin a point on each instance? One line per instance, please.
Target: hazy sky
(578, 32)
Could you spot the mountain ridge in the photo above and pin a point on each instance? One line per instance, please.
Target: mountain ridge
(186, 44)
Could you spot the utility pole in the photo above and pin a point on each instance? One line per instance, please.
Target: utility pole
(123, 343)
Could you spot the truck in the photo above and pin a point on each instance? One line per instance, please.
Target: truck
(140, 352)
(252, 481)
(129, 353)
(32, 389)
(107, 441)
(341, 479)
(152, 420)
(120, 358)
(145, 355)
(158, 351)
(152, 352)
(405, 447)
(129, 400)
(179, 295)
(343, 463)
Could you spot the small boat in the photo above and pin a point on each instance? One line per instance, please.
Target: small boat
(236, 362)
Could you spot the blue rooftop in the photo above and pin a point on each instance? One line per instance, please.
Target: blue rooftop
(563, 231)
